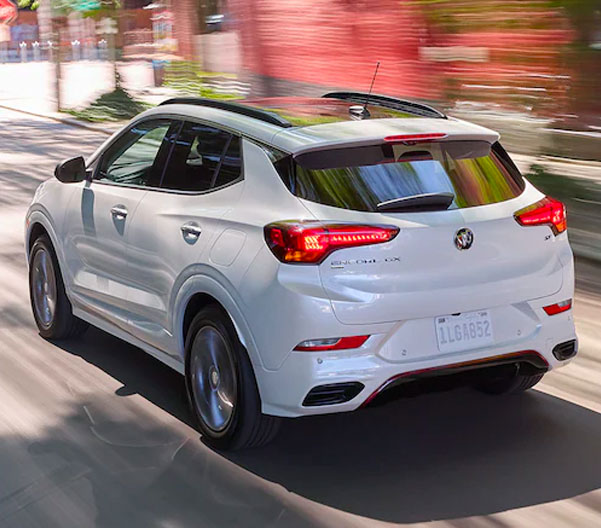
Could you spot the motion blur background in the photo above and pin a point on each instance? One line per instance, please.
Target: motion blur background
(523, 65)
(530, 69)
(95, 432)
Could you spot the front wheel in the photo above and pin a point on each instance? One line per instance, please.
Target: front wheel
(52, 310)
(221, 385)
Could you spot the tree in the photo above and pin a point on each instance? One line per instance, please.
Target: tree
(585, 16)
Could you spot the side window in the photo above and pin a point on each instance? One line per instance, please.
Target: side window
(133, 159)
(231, 164)
(202, 158)
(284, 165)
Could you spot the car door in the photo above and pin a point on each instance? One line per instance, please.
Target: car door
(98, 219)
(175, 228)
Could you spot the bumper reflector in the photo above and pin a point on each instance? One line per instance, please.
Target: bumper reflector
(554, 309)
(331, 343)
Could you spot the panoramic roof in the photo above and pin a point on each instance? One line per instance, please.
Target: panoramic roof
(304, 111)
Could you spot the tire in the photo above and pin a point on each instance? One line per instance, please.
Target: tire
(54, 315)
(509, 385)
(221, 386)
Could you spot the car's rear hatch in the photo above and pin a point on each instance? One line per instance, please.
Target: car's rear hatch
(429, 268)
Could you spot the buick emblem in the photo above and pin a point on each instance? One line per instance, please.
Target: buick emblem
(464, 238)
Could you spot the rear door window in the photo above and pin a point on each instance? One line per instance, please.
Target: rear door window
(361, 178)
(202, 158)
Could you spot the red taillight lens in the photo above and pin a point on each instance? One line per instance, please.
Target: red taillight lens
(554, 309)
(413, 139)
(312, 242)
(331, 343)
(546, 212)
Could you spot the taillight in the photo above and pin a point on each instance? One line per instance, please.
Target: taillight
(546, 212)
(312, 242)
(554, 309)
(331, 343)
(413, 139)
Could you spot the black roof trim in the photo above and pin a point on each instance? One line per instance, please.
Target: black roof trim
(402, 105)
(249, 111)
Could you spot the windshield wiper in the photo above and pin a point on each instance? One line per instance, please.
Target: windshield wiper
(418, 202)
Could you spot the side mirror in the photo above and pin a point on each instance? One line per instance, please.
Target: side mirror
(72, 170)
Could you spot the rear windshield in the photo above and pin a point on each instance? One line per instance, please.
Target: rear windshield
(361, 178)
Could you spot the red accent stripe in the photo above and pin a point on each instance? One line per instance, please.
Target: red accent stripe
(445, 367)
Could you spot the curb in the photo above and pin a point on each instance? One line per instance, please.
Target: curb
(65, 120)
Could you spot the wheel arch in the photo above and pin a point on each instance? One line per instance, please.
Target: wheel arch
(38, 223)
(200, 291)
(37, 230)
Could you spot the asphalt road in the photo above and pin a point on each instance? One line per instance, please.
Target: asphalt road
(94, 432)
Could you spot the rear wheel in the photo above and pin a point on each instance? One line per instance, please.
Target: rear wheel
(509, 384)
(221, 385)
(51, 308)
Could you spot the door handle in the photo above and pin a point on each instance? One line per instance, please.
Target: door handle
(191, 231)
(119, 212)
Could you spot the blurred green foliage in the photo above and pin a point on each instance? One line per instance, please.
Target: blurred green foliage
(453, 16)
(64, 7)
(565, 188)
(117, 105)
(582, 197)
(187, 78)
(584, 15)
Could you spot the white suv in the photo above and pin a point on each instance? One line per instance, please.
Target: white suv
(298, 256)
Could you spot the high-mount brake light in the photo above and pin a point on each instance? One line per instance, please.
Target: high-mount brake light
(331, 343)
(414, 139)
(311, 242)
(557, 308)
(544, 212)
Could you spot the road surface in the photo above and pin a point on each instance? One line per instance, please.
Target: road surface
(96, 433)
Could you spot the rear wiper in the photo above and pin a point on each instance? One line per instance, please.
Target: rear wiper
(418, 202)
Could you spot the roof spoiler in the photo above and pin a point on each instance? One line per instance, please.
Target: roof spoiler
(402, 105)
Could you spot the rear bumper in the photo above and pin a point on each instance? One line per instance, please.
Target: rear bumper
(367, 371)
(293, 307)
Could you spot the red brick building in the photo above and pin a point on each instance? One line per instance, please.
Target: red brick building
(510, 52)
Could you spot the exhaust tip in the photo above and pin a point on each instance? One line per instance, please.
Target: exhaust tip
(332, 394)
(565, 351)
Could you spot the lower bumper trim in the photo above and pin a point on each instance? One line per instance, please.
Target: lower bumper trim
(526, 359)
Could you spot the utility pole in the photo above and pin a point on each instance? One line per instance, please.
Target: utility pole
(47, 36)
(107, 27)
(57, 67)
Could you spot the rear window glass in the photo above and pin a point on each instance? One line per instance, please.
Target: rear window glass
(361, 178)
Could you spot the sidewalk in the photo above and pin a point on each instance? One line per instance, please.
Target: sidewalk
(29, 87)
(106, 129)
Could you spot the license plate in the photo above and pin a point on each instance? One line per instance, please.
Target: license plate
(464, 331)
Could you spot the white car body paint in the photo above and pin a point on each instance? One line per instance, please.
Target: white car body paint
(134, 277)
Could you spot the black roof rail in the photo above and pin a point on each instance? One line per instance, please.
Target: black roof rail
(402, 105)
(237, 108)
